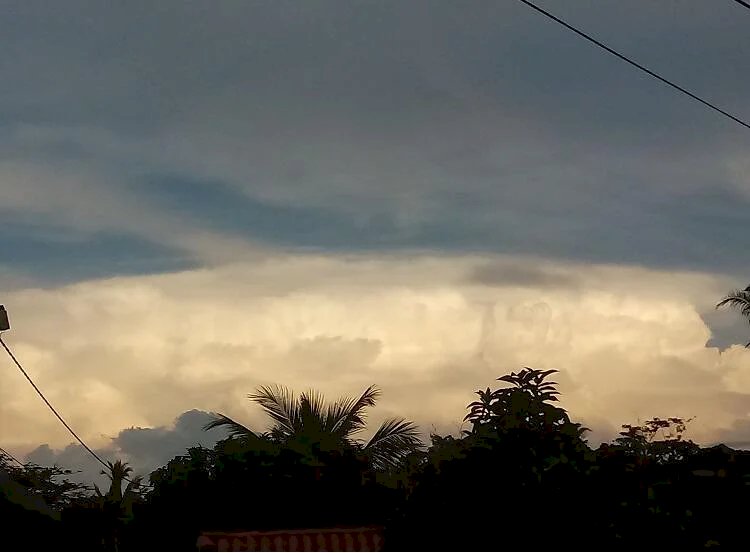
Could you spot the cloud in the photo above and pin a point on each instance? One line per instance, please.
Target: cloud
(737, 435)
(727, 328)
(379, 128)
(14, 279)
(133, 352)
(149, 448)
(86, 469)
(87, 201)
(145, 449)
(483, 190)
(499, 274)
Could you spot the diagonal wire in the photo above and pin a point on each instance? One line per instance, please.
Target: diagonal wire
(59, 417)
(636, 64)
(7, 454)
(743, 3)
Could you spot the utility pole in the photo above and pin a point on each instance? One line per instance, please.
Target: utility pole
(4, 323)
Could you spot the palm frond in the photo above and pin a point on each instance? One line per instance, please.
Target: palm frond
(133, 486)
(131, 496)
(392, 442)
(739, 299)
(313, 402)
(120, 469)
(312, 412)
(236, 430)
(280, 404)
(347, 416)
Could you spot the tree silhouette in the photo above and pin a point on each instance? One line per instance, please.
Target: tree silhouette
(640, 442)
(307, 424)
(739, 300)
(116, 507)
(522, 466)
(50, 484)
(27, 496)
(646, 473)
(523, 478)
(526, 404)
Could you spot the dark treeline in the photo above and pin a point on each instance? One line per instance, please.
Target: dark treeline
(522, 477)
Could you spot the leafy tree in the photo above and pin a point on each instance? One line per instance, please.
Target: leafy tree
(522, 465)
(640, 442)
(34, 501)
(523, 417)
(185, 497)
(50, 484)
(645, 484)
(526, 404)
(307, 424)
(739, 300)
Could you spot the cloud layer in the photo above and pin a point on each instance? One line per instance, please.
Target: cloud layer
(111, 354)
(197, 199)
(240, 128)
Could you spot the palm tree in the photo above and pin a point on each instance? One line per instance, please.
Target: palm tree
(118, 472)
(117, 507)
(740, 300)
(306, 420)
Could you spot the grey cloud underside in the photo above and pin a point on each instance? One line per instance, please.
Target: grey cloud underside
(145, 449)
(50, 255)
(727, 328)
(703, 230)
(384, 125)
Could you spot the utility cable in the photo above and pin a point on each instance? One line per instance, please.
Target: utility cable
(10, 456)
(65, 424)
(743, 3)
(638, 65)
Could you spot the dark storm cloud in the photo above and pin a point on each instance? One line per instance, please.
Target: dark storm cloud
(386, 125)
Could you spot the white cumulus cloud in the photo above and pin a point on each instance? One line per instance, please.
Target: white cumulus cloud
(137, 351)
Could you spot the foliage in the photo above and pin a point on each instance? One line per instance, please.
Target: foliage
(640, 443)
(51, 484)
(306, 424)
(115, 501)
(114, 511)
(523, 455)
(523, 478)
(34, 501)
(739, 300)
(525, 405)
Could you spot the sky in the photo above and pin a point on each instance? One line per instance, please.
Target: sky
(197, 199)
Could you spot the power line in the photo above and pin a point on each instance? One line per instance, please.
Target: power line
(638, 65)
(41, 395)
(4, 452)
(743, 3)
(65, 424)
